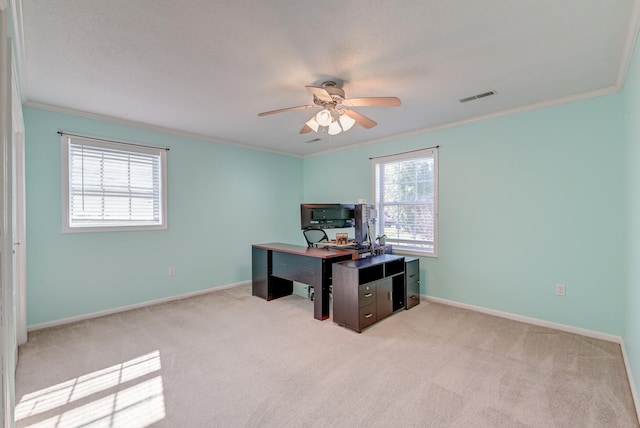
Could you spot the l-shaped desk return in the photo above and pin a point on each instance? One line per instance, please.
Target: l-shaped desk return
(275, 266)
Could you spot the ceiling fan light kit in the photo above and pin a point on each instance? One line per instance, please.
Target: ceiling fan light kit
(324, 118)
(335, 117)
(346, 122)
(313, 124)
(334, 128)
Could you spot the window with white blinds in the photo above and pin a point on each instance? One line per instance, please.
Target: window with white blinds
(112, 185)
(406, 200)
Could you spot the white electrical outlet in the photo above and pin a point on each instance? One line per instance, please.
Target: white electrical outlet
(172, 271)
(560, 289)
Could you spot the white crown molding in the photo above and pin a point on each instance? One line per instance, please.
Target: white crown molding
(503, 113)
(18, 48)
(132, 123)
(629, 43)
(545, 104)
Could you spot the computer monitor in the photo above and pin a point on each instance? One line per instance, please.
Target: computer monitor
(326, 216)
(329, 216)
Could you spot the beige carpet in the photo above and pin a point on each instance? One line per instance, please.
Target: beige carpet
(228, 359)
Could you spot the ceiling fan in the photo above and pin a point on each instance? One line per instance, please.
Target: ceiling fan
(335, 116)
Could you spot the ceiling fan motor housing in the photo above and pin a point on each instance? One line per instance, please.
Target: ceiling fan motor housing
(333, 90)
(336, 94)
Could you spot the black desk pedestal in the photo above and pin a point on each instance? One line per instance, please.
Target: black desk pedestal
(264, 285)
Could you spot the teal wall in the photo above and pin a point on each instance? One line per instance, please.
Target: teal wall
(632, 136)
(527, 201)
(221, 199)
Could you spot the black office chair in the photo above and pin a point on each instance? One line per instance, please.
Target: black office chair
(313, 236)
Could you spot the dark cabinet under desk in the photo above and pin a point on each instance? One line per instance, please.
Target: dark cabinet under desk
(367, 290)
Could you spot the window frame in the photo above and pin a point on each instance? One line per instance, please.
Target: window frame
(431, 152)
(68, 226)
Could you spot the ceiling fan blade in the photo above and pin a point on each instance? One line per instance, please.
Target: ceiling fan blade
(360, 119)
(371, 101)
(305, 129)
(266, 113)
(320, 93)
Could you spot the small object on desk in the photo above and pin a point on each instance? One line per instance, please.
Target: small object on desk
(342, 238)
(335, 244)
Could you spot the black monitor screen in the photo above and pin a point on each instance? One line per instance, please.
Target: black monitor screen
(325, 216)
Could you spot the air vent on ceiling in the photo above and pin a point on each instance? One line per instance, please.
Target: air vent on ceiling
(315, 140)
(477, 97)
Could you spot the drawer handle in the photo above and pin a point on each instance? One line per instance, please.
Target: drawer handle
(368, 295)
(368, 315)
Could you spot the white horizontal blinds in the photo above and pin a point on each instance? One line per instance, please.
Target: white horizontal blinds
(112, 184)
(406, 199)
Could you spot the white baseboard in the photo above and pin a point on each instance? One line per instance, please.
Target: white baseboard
(632, 385)
(528, 320)
(130, 307)
(557, 326)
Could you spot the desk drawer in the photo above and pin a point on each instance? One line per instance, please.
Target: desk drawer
(366, 294)
(413, 294)
(367, 315)
(412, 267)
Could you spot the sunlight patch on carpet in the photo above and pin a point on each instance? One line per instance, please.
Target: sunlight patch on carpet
(127, 394)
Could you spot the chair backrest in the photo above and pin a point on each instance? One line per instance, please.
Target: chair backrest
(314, 235)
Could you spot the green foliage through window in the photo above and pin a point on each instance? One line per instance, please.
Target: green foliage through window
(406, 200)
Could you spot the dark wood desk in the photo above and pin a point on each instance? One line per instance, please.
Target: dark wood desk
(275, 266)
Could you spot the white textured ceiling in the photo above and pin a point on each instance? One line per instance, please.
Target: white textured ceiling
(207, 68)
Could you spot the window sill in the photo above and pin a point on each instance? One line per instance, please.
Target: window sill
(416, 253)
